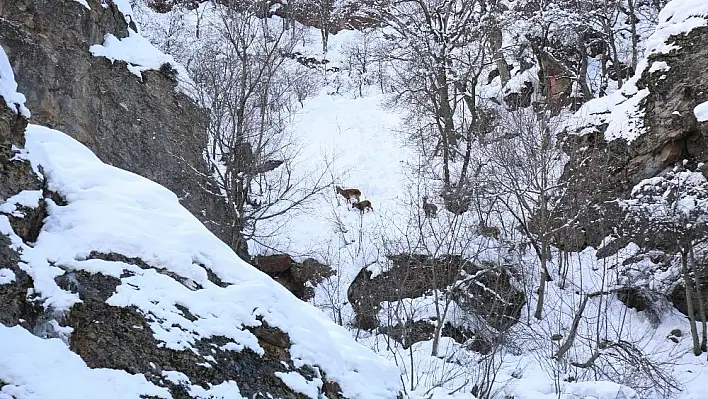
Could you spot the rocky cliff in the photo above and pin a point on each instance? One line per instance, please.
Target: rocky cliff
(638, 132)
(646, 129)
(141, 124)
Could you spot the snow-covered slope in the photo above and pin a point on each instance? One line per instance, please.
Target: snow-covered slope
(113, 211)
(191, 287)
(369, 159)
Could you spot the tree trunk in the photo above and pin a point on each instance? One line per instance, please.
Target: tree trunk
(495, 40)
(689, 302)
(542, 285)
(442, 97)
(633, 32)
(701, 302)
(582, 78)
(573, 330)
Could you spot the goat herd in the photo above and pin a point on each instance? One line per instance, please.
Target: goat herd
(350, 194)
(354, 194)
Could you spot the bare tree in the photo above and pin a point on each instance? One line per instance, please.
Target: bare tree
(672, 210)
(438, 54)
(525, 163)
(250, 87)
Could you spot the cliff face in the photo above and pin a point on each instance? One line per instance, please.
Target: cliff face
(638, 132)
(141, 125)
(643, 131)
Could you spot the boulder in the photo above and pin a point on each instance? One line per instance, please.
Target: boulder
(484, 291)
(298, 278)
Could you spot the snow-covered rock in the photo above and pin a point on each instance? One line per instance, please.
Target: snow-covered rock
(653, 121)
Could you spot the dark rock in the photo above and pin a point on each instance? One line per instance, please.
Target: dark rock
(16, 305)
(634, 298)
(145, 126)
(298, 278)
(520, 99)
(468, 338)
(609, 170)
(30, 223)
(411, 332)
(457, 200)
(120, 338)
(410, 276)
(273, 264)
(413, 276)
(492, 296)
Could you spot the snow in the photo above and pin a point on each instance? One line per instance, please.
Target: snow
(701, 112)
(113, 211)
(659, 66)
(125, 8)
(36, 368)
(298, 383)
(83, 3)
(26, 198)
(141, 55)
(8, 87)
(7, 276)
(225, 390)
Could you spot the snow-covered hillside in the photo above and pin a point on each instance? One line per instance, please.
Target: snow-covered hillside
(112, 211)
(373, 156)
(365, 144)
(188, 285)
(342, 124)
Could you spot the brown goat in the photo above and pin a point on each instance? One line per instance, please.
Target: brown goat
(349, 193)
(363, 205)
(431, 210)
(488, 231)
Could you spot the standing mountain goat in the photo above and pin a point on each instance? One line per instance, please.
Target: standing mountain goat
(363, 205)
(431, 210)
(349, 193)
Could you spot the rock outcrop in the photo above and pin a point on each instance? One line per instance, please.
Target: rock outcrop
(641, 130)
(141, 125)
(300, 278)
(332, 17)
(483, 292)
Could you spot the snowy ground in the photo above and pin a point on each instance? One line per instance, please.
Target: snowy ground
(110, 210)
(365, 139)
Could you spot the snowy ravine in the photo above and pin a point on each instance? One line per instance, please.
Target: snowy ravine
(194, 286)
(364, 134)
